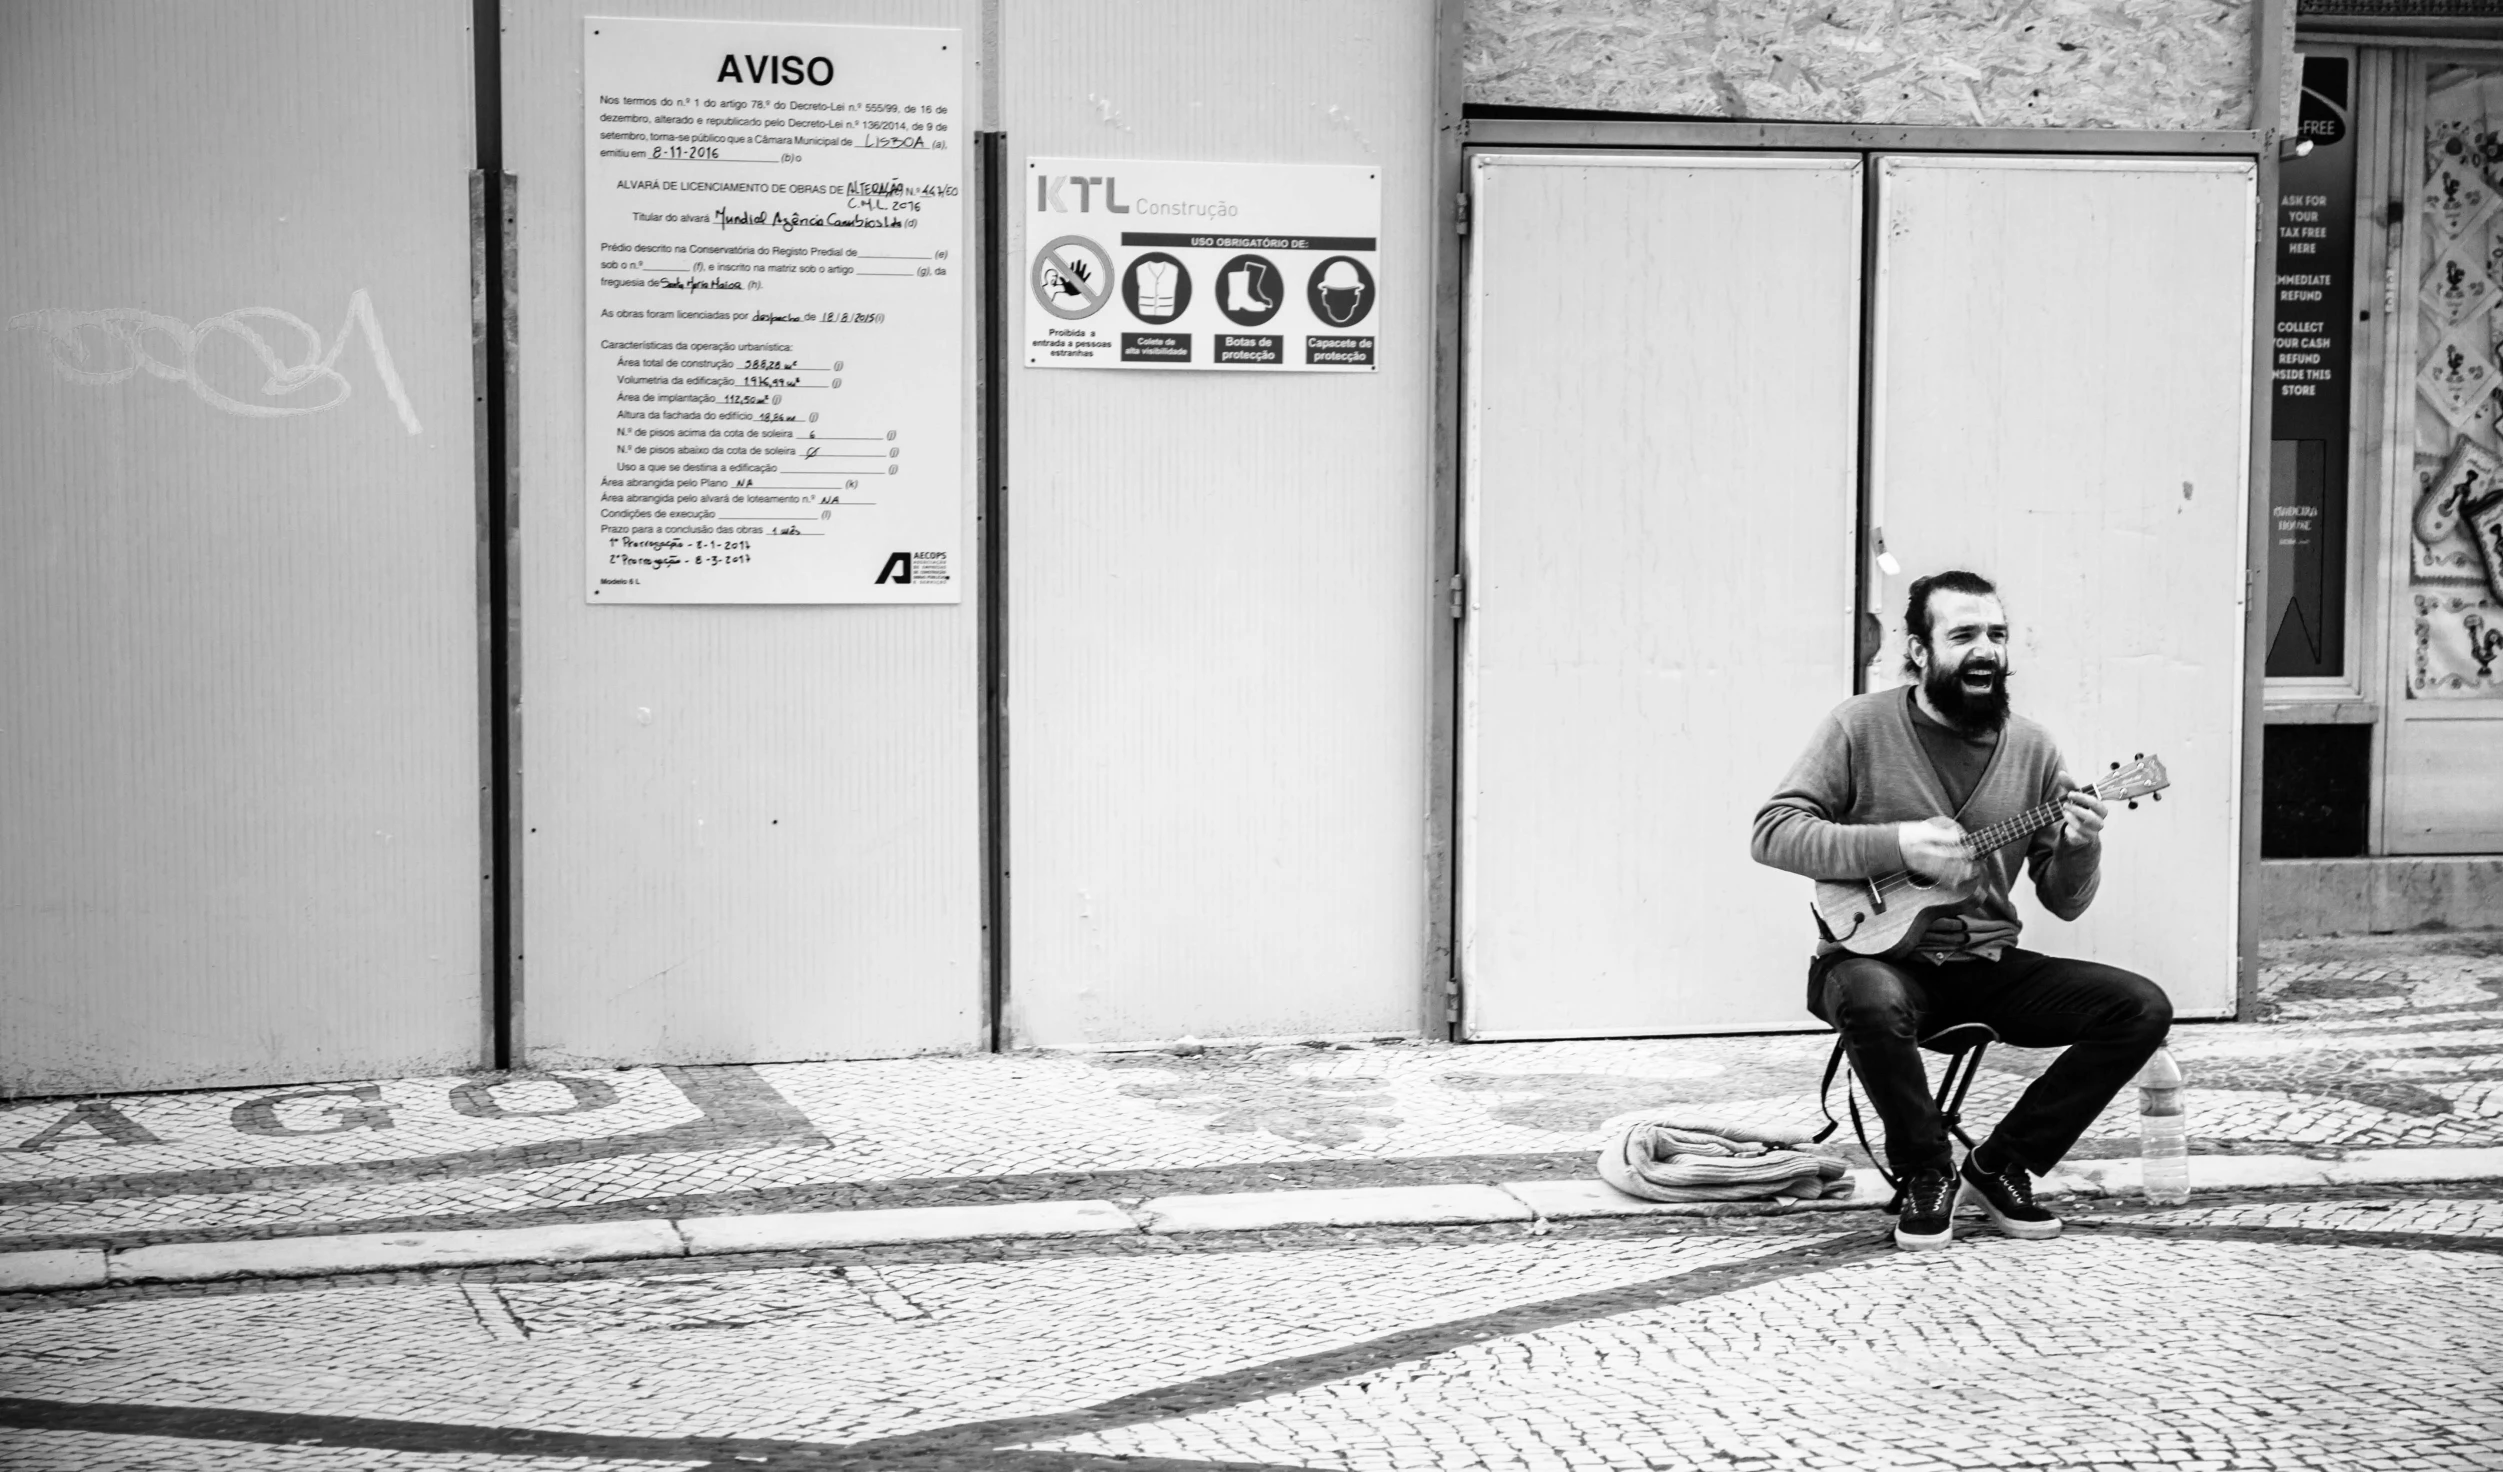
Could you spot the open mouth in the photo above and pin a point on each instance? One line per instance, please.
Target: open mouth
(1979, 680)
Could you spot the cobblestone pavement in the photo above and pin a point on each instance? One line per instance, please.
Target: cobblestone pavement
(2307, 1330)
(2367, 1043)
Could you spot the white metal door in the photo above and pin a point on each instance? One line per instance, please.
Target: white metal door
(1661, 404)
(2060, 402)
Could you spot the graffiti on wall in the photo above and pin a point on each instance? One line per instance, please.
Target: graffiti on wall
(297, 373)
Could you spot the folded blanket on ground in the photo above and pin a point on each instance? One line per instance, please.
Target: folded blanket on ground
(1680, 1157)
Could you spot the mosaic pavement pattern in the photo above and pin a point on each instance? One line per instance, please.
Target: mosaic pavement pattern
(2243, 1335)
(2368, 1043)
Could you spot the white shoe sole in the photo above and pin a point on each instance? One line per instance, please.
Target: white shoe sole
(1969, 1194)
(1920, 1241)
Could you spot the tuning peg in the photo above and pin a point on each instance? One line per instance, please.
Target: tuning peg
(2133, 805)
(2158, 796)
(2137, 756)
(2116, 766)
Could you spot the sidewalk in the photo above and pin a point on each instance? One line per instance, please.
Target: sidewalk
(2381, 1061)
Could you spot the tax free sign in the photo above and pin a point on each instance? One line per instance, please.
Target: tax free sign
(1259, 268)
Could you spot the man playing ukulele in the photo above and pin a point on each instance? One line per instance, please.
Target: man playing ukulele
(1893, 780)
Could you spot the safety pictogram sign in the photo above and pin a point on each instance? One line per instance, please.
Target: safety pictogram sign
(1071, 277)
(1156, 288)
(1166, 265)
(1340, 291)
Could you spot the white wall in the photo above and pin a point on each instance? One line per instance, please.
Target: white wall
(1218, 582)
(747, 832)
(239, 750)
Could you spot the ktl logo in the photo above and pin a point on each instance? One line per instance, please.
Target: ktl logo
(1048, 196)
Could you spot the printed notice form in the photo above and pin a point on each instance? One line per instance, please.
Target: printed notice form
(773, 312)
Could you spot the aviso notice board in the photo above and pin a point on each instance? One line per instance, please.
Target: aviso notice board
(773, 312)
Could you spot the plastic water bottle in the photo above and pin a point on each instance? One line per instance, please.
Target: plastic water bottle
(2163, 1141)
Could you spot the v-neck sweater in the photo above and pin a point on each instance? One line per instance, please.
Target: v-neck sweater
(1864, 771)
(1958, 759)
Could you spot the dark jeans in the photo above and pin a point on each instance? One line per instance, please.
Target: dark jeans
(2110, 1022)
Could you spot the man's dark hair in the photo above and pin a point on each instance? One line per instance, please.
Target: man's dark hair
(1916, 612)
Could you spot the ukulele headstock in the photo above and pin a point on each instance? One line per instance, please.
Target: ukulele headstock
(2142, 776)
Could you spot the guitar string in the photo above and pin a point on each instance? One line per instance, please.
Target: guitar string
(1993, 837)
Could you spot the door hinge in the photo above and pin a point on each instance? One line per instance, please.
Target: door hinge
(1459, 596)
(1451, 1001)
(1461, 216)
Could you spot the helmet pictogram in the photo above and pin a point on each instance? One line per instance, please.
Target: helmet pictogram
(1340, 291)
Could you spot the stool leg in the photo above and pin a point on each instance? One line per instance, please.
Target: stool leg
(1952, 1089)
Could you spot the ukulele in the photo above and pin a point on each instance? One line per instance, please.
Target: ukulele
(1885, 916)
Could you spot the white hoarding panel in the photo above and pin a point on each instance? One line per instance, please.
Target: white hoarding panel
(773, 249)
(2060, 403)
(239, 752)
(1160, 264)
(1216, 643)
(747, 831)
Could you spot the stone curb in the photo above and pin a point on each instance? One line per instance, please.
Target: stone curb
(799, 1231)
(1355, 1206)
(2248, 1172)
(1576, 1200)
(73, 1267)
(377, 1252)
(1514, 1201)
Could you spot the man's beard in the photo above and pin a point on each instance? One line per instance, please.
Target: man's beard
(1969, 711)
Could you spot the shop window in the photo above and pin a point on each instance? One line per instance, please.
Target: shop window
(2307, 572)
(2315, 784)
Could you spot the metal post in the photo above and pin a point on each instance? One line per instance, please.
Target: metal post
(495, 326)
(991, 156)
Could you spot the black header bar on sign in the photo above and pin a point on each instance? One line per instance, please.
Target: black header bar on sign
(1252, 242)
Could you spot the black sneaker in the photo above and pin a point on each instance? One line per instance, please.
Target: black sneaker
(1925, 1216)
(2007, 1195)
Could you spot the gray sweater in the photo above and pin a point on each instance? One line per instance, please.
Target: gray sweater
(1864, 772)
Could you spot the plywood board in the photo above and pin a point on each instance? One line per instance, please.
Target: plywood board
(746, 833)
(2015, 63)
(1661, 399)
(1219, 582)
(2061, 403)
(240, 763)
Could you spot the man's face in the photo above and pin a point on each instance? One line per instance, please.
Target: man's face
(1964, 666)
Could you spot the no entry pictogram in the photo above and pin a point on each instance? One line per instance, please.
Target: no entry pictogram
(1072, 277)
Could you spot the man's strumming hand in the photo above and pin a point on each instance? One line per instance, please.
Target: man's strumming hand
(1934, 849)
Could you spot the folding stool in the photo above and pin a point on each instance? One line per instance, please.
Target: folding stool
(1963, 1045)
